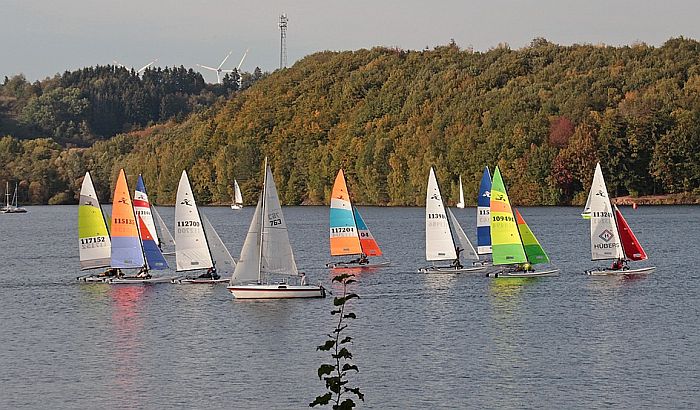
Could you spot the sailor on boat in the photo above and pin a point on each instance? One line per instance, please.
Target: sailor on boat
(110, 272)
(143, 273)
(210, 274)
(619, 264)
(456, 263)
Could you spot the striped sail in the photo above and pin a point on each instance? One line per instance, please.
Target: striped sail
(369, 245)
(94, 243)
(605, 240)
(468, 248)
(142, 207)
(483, 217)
(439, 244)
(343, 230)
(126, 244)
(191, 248)
(506, 245)
(277, 255)
(633, 249)
(533, 250)
(154, 257)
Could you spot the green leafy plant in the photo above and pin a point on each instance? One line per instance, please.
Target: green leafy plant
(335, 374)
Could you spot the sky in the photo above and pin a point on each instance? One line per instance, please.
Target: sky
(43, 37)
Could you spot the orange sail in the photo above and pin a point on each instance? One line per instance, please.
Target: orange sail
(126, 245)
(343, 230)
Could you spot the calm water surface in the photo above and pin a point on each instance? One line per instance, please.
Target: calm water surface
(421, 341)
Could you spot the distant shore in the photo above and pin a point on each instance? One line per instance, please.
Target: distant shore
(685, 198)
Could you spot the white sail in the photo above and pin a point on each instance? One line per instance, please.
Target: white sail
(439, 244)
(222, 258)
(460, 204)
(468, 249)
(605, 240)
(237, 196)
(277, 255)
(165, 236)
(191, 250)
(94, 242)
(248, 267)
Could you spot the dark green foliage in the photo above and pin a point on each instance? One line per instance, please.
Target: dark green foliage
(335, 374)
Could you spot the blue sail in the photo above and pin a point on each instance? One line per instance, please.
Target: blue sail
(483, 217)
(154, 256)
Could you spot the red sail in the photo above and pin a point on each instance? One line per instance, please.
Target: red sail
(633, 250)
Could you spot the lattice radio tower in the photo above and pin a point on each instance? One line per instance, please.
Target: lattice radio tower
(283, 40)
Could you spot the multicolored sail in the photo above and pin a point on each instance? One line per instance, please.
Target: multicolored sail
(154, 257)
(633, 249)
(343, 230)
(506, 245)
(533, 250)
(126, 244)
(369, 245)
(142, 208)
(94, 243)
(483, 216)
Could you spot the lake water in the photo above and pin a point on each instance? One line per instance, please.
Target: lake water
(421, 341)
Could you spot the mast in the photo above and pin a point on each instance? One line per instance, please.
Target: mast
(262, 223)
(206, 240)
(613, 208)
(138, 227)
(449, 225)
(354, 219)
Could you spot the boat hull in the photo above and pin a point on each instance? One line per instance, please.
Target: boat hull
(138, 281)
(620, 272)
(347, 265)
(200, 281)
(93, 279)
(277, 291)
(451, 269)
(521, 274)
(236, 207)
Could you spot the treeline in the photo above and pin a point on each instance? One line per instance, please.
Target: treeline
(545, 114)
(78, 108)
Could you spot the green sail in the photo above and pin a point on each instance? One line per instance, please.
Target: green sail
(506, 245)
(533, 250)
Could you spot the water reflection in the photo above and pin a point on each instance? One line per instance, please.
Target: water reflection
(127, 323)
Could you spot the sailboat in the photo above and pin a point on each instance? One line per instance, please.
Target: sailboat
(349, 235)
(94, 244)
(133, 246)
(483, 215)
(11, 206)
(267, 251)
(147, 227)
(512, 241)
(611, 236)
(237, 197)
(192, 249)
(439, 242)
(460, 204)
(167, 242)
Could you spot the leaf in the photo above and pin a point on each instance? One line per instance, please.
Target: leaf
(345, 405)
(326, 346)
(356, 390)
(338, 301)
(349, 281)
(351, 296)
(342, 277)
(350, 316)
(346, 340)
(346, 367)
(333, 312)
(325, 369)
(321, 400)
(340, 329)
(342, 353)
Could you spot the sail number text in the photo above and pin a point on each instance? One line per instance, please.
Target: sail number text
(123, 221)
(500, 218)
(343, 230)
(601, 214)
(187, 223)
(437, 216)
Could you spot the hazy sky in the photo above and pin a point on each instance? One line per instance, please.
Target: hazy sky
(44, 37)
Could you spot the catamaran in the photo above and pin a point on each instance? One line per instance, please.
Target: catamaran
(94, 244)
(349, 235)
(267, 251)
(11, 207)
(133, 245)
(439, 242)
(192, 248)
(512, 242)
(460, 204)
(611, 236)
(237, 197)
(483, 215)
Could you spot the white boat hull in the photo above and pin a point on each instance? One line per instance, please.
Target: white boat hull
(200, 281)
(93, 279)
(451, 269)
(347, 265)
(277, 291)
(236, 206)
(522, 274)
(138, 281)
(620, 272)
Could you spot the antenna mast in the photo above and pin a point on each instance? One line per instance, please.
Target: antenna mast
(283, 40)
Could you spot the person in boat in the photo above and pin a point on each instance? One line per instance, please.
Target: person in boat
(525, 267)
(119, 273)
(302, 279)
(456, 263)
(363, 259)
(143, 273)
(210, 274)
(618, 264)
(109, 272)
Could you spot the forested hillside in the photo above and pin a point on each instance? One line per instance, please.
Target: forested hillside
(545, 114)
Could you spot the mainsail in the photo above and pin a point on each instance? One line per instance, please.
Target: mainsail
(237, 196)
(460, 204)
(127, 251)
(147, 228)
(507, 247)
(533, 249)
(343, 229)
(94, 243)
(277, 256)
(483, 216)
(605, 240)
(191, 249)
(439, 244)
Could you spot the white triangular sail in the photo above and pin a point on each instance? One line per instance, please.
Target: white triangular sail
(460, 204)
(248, 267)
(237, 196)
(439, 244)
(605, 240)
(191, 249)
(468, 249)
(94, 242)
(277, 255)
(222, 257)
(165, 236)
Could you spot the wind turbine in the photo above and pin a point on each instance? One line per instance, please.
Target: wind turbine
(238, 69)
(140, 70)
(218, 69)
